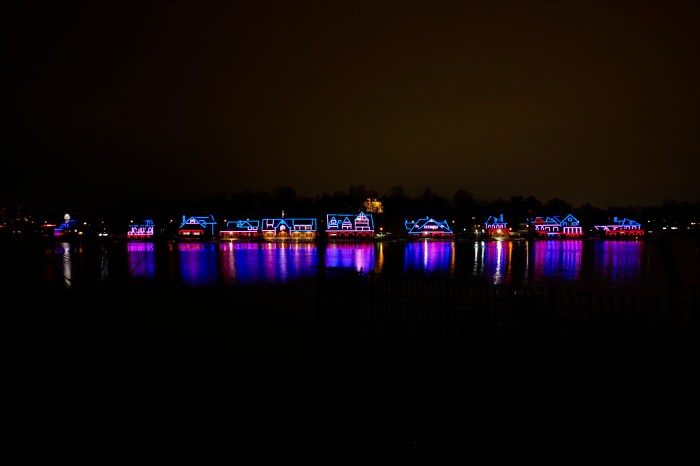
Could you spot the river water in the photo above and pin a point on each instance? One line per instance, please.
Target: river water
(603, 263)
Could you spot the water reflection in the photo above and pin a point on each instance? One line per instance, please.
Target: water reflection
(359, 256)
(499, 262)
(249, 263)
(65, 253)
(379, 264)
(495, 261)
(429, 257)
(198, 263)
(141, 259)
(556, 259)
(619, 261)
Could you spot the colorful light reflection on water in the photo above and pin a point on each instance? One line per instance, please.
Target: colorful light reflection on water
(250, 263)
(358, 256)
(499, 262)
(142, 259)
(493, 261)
(430, 257)
(560, 259)
(198, 263)
(619, 260)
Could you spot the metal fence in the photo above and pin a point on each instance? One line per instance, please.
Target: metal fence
(441, 332)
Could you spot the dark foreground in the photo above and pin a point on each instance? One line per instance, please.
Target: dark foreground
(261, 369)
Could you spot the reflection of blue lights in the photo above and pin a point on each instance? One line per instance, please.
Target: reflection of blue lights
(491, 260)
(429, 257)
(618, 261)
(250, 263)
(356, 255)
(142, 260)
(558, 259)
(198, 264)
(571, 254)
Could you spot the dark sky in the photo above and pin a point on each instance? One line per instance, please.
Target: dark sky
(592, 102)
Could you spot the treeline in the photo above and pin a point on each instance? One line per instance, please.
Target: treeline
(462, 210)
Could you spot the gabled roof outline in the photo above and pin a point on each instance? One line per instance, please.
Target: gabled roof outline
(247, 225)
(495, 220)
(360, 222)
(202, 222)
(626, 222)
(419, 226)
(571, 220)
(620, 224)
(290, 223)
(269, 224)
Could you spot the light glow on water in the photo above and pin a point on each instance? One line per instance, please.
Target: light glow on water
(274, 262)
(429, 257)
(142, 259)
(65, 253)
(619, 260)
(505, 262)
(359, 256)
(496, 263)
(557, 259)
(198, 264)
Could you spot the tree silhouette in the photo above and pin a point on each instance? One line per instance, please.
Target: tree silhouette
(556, 206)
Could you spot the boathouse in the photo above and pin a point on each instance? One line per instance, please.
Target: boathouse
(554, 227)
(245, 229)
(296, 228)
(496, 226)
(197, 228)
(349, 226)
(621, 228)
(428, 228)
(145, 230)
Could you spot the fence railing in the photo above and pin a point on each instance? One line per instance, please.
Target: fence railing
(445, 332)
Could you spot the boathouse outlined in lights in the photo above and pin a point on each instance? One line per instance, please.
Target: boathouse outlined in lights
(622, 228)
(281, 228)
(428, 228)
(246, 229)
(141, 231)
(350, 225)
(496, 226)
(554, 227)
(197, 227)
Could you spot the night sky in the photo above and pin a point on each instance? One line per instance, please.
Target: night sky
(591, 102)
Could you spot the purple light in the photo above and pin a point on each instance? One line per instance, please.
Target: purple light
(144, 231)
(349, 225)
(553, 227)
(622, 228)
(428, 228)
(296, 228)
